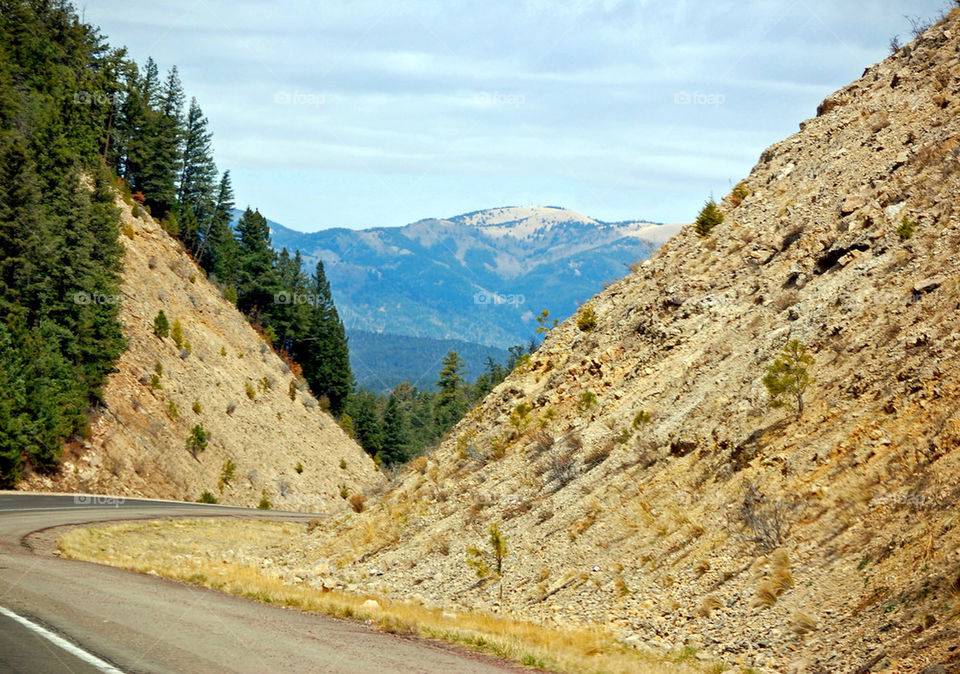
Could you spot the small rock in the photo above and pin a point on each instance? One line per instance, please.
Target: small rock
(370, 605)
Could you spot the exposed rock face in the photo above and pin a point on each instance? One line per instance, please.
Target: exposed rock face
(646, 532)
(137, 445)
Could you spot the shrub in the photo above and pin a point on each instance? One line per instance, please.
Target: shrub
(787, 377)
(489, 562)
(223, 351)
(230, 295)
(520, 417)
(197, 440)
(292, 390)
(586, 318)
(128, 230)
(231, 407)
(597, 456)
(264, 502)
(641, 418)
(158, 368)
(228, 471)
(708, 218)
(561, 468)
(357, 502)
(906, 229)
(344, 491)
(207, 497)
(765, 522)
(588, 400)
(739, 193)
(161, 325)
(265, 384)
(343, 464)
(298, 468)
(193, 278)
(251, 392)
(176, 334)
(172, 410)
(155, 381)
(197, 407)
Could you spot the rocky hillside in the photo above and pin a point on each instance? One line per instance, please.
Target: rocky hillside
(254, 412)
(638, 470)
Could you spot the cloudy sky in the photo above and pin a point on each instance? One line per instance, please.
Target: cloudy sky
(359, 113)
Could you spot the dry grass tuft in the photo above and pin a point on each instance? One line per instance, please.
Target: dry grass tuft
(803, 623)
(159, 547)
(709, 604)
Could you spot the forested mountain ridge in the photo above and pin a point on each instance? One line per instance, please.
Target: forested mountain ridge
(479, 277)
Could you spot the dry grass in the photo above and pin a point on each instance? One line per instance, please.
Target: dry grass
(172, 549)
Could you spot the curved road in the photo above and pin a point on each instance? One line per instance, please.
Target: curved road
(59, 615)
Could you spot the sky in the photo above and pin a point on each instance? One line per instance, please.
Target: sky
(363, 113)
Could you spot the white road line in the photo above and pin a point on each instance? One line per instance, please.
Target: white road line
(81, 654)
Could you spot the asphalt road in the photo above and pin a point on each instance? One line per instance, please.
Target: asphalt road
(59, 615)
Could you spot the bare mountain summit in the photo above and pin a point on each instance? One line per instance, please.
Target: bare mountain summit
(642, 478)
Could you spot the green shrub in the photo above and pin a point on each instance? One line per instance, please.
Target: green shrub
(264, 503)
(228, 471)
(708, 218)
(292, 390)
(197, 440)
(176, 333)
(739, 193)
(344, 491)
(207, 497)
(640, 418)
(586, 318)
(172, 410)
(251, 392)
(906, 229)
(197, 407)
(787, 377)
(155, 381)
(161, 326)
(343, 464)
(298, 468)
(230, 295)
(158, 368)
(588, 400)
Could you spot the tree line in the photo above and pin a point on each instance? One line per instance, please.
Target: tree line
(78, 119)
(401, 425)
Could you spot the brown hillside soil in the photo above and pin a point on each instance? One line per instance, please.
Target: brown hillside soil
(137, 445)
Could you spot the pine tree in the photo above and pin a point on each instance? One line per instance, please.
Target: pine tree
(255, 264)
(451, 402)
(323, 352)
(218, 252)
(196, 195)
(165, 133)
(396, 432)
